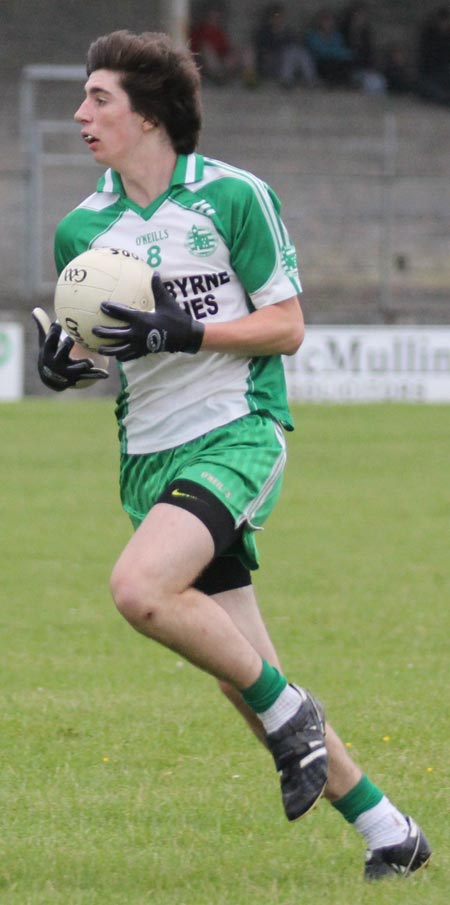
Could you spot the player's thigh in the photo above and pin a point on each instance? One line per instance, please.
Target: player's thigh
(240, 464)
(242, 607)
(169, 549)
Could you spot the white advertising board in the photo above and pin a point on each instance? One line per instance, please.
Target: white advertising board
(371, 364)
(11, 361)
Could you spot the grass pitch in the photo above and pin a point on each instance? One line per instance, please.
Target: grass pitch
(126, 779)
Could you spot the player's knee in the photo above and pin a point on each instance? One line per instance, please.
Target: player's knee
(136, 597)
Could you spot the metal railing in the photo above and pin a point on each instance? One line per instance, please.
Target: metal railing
(33, 131)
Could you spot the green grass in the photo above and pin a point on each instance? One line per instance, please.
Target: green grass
(125, 777)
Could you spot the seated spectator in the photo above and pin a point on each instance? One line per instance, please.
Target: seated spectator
(357, 31)
(434, 57)
(211, 44)
(279, 53)
(398, 70)
(333, 59)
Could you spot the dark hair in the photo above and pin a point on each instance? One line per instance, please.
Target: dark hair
(162, 81)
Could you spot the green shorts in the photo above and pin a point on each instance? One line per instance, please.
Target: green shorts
(241, 463)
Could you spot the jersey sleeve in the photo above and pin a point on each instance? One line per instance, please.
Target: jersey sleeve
(72, 236)
(63, 252)
(261, 251)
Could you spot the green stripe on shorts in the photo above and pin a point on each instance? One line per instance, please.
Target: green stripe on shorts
(242, 463)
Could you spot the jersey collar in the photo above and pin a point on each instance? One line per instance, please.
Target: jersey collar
(188, 169)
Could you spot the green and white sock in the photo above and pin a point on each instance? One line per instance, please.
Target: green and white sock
(372, 815)
(271, 698)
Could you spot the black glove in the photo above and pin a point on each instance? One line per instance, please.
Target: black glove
(56, 369)
(168, 328)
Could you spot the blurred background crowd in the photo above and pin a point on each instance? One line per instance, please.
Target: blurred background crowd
(334, 48)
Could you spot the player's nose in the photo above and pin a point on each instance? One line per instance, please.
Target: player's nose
(82, 114)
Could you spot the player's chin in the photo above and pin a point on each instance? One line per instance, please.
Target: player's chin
(98, 152)
(106, 160)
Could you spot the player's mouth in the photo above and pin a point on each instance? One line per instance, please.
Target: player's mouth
(89, 139)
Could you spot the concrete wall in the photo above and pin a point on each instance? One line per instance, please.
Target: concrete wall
(59, 31)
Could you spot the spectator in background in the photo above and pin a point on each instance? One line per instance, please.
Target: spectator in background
(434, 57)
(357, 31)
(211, 44)
(334, 61)
(398, 70)
(279, 52)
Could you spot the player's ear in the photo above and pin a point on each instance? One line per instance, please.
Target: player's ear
(149, 124)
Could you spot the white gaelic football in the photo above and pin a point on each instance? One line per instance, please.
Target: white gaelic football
(96, 276)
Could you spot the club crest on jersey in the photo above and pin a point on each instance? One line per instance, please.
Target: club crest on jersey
(201, 241)
(289, 259)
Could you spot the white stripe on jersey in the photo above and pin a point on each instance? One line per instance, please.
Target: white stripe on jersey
(267, 487)
(109, 185)
(191, 168)
(98, 201)
(261, 190)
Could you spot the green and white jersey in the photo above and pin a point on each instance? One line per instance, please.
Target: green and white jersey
(218, 242)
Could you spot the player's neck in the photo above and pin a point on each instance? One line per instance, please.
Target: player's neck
(149, 175)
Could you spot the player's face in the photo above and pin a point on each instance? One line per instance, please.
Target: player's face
(110, 128)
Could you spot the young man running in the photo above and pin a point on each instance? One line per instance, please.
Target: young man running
(202, 410)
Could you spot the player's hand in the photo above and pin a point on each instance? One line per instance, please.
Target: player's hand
(56, 369)
(168, 328)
